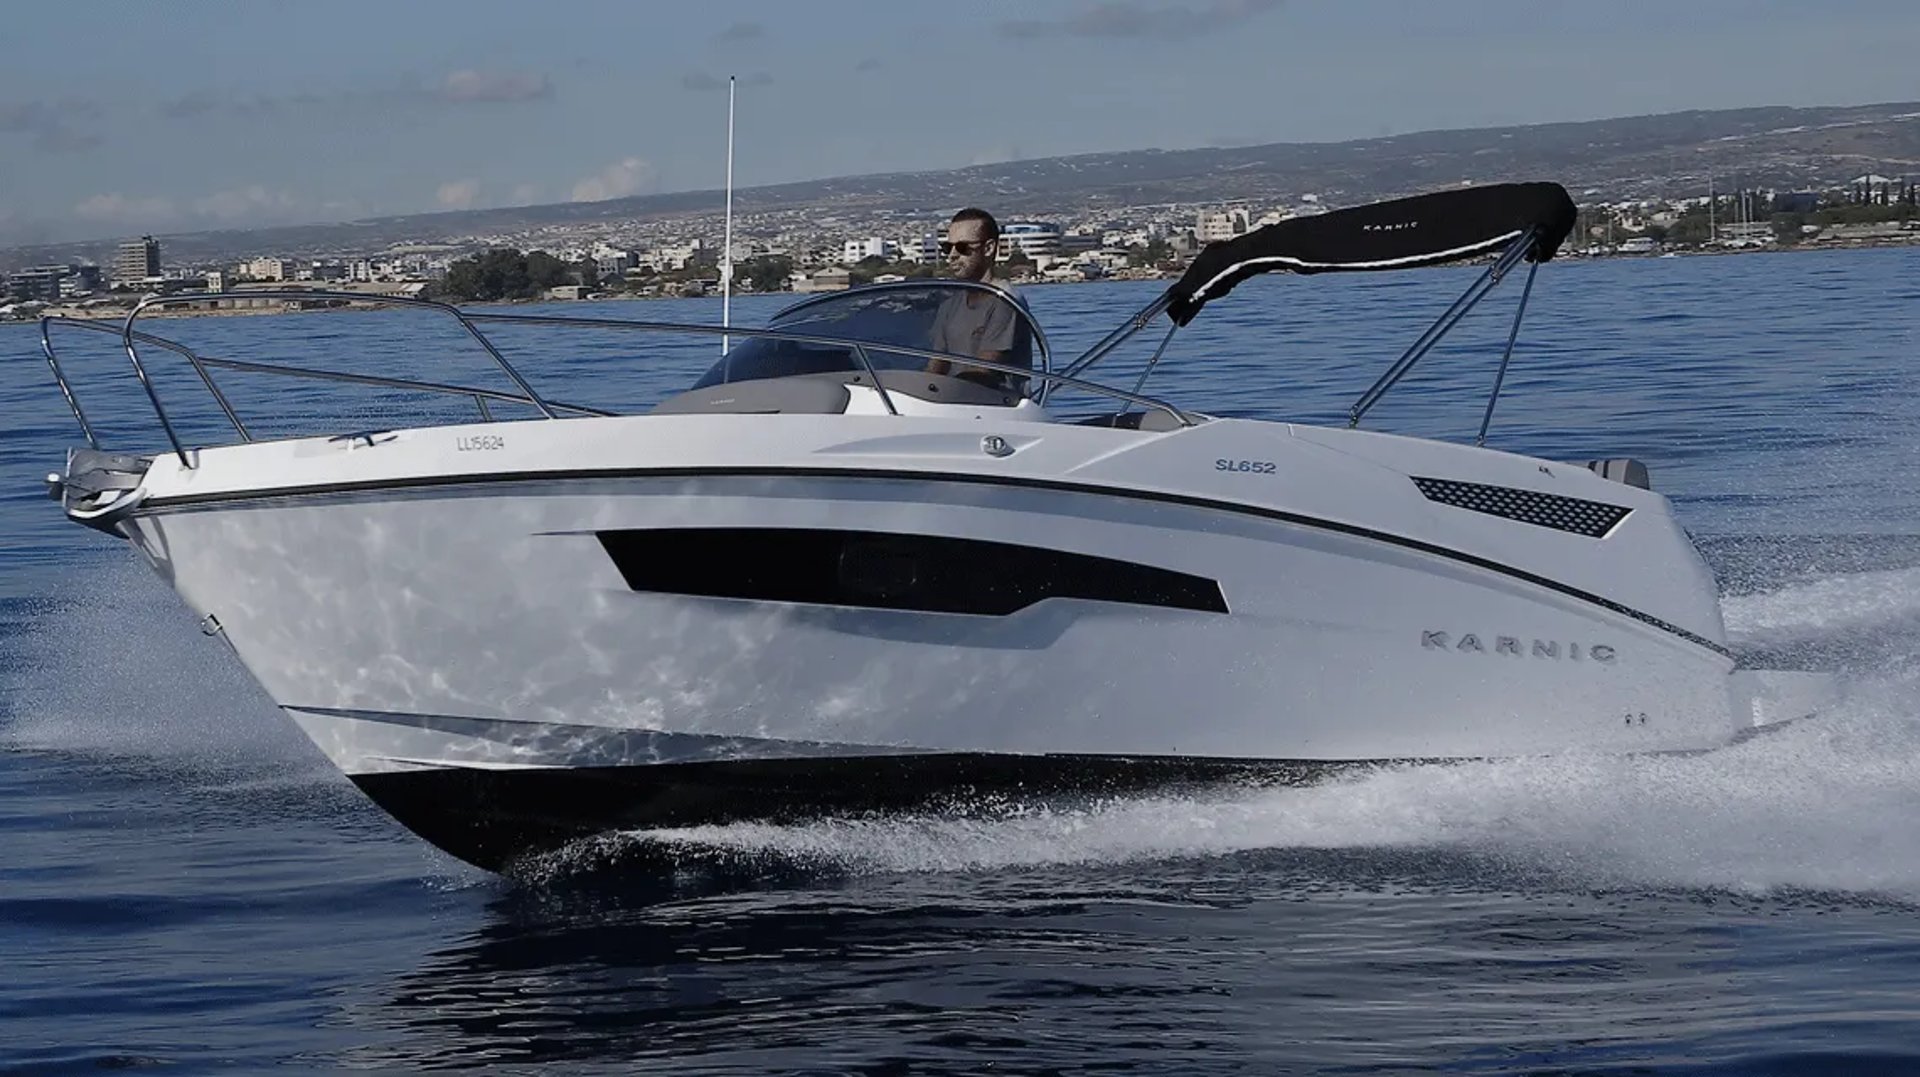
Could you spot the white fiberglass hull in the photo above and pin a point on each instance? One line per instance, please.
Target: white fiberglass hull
(449, 600)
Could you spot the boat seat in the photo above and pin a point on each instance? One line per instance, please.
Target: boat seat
(1153, 421)
(1622, 470)
(807, 394)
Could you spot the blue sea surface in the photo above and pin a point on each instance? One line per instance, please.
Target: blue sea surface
(186, 883)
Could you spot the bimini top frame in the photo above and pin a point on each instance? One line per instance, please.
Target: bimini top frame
(1511, 221)
(203, 366)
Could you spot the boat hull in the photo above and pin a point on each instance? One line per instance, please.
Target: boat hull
(467, 636)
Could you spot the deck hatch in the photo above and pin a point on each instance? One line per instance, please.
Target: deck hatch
(1593, 519)
(886, 570)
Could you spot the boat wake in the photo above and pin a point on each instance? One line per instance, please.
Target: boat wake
(1824, 804)
(1821, 805)
(1826, 607)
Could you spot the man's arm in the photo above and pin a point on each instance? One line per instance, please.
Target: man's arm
(945, 366)
(937, 340)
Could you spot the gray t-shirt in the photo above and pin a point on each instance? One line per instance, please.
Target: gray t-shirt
(973, 323)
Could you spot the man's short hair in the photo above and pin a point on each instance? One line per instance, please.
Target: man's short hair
(975, 213)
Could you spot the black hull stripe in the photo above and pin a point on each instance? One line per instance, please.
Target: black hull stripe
(882, 570)
(494, 818)
(154, 506)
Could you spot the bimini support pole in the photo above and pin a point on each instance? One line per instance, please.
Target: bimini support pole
(1155, 360)
(1119, 335)
(1468, 300)
(1512, 335)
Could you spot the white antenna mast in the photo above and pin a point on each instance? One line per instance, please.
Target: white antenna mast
(726, 247)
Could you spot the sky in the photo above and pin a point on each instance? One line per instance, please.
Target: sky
(118, 118)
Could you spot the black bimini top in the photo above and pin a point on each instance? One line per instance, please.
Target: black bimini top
(1426, 229)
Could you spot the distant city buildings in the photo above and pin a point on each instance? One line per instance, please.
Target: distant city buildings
(923, 248)
(611, 262)
(671, 258)
(1034, 239)
(808, 248)
(831, 279)
(137, 260)
(857, 250)
(52, 283)
(264, 269)
(1214, 227)
(37, 284)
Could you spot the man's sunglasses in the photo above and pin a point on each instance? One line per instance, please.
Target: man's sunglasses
(964, 248)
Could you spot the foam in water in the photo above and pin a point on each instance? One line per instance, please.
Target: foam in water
(1824, 804)
(113, 664)
(1853, 602)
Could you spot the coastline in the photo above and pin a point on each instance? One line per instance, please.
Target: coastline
(292, 304)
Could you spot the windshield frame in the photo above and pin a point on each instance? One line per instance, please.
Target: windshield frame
(1045, 356)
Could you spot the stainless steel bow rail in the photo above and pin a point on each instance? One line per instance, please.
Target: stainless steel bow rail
(204, 365)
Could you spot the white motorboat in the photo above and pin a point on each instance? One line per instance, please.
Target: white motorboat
(824, 580)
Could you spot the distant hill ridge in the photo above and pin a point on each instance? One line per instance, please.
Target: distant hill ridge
(1629, 157)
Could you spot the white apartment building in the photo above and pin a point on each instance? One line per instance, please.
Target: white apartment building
(924, 249)
(871, 247)
(667, 259)
(1211, 227)
(265, 269)
(1035, 239)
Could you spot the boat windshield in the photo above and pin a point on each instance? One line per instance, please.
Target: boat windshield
(897, 324)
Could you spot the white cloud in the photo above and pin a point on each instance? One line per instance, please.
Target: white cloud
(250, 203)
(618, 180)
(469, 86)
(526, 194)
(494, 86)
(1124, 19)
(117, 208)
(340, 209)
(241, 206)
(458, 194)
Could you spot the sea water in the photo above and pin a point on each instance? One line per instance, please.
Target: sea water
(184, 882)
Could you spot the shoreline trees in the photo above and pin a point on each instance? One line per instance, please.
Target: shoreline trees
(507, 273)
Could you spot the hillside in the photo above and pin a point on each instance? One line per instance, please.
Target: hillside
(1638, 156)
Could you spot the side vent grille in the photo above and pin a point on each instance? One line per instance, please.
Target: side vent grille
(1593, 519)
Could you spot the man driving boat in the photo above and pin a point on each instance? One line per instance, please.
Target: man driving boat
(973, 323)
